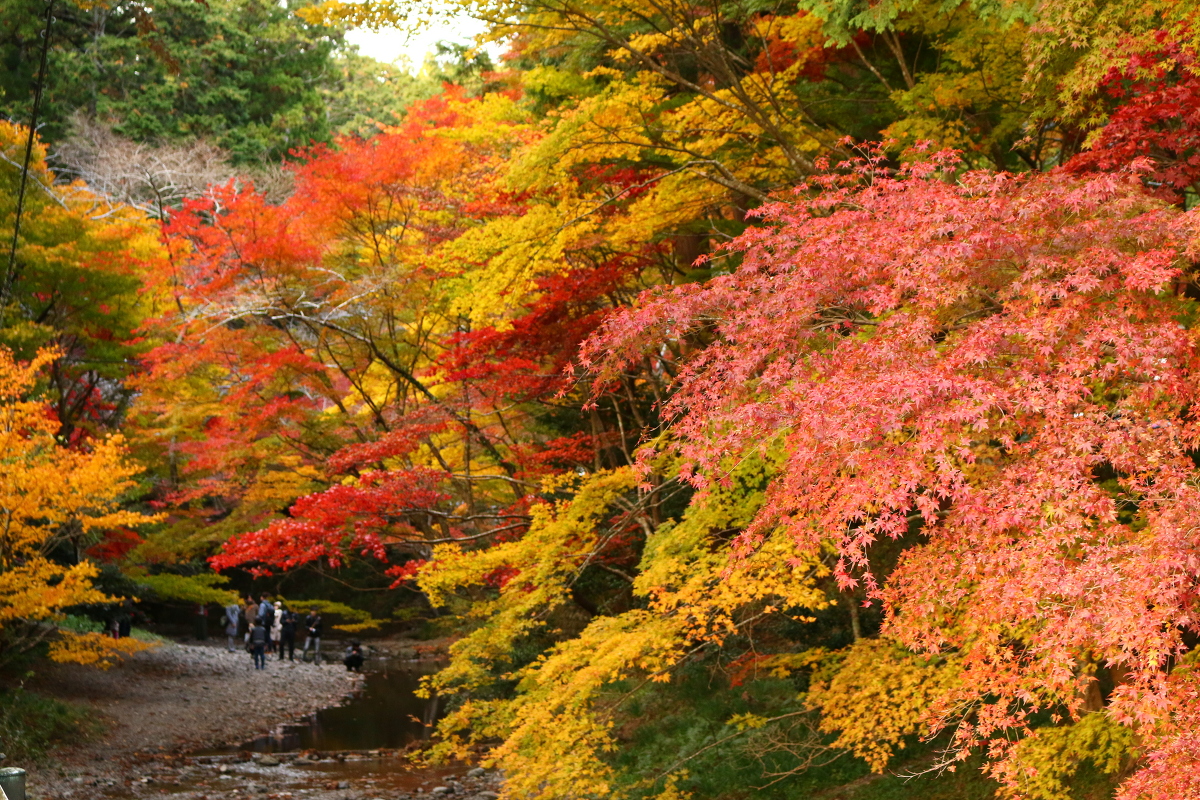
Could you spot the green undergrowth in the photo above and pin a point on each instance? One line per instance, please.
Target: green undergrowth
(690, 725)
(966, 783)
(32, 724)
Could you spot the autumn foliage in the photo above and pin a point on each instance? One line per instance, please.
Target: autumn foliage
(954, 398)
(997, 371)
(50, 494)
(1156, 118)
(745, 394)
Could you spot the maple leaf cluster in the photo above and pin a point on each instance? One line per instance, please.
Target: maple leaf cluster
(996, 372)
(643, 363)
(47, 491)
(324, 367)
(1156, 121)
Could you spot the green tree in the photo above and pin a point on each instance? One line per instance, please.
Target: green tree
(246, 74)
(369, 94)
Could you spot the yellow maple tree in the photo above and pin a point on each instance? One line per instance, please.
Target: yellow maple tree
(48, 494)
(556, 735)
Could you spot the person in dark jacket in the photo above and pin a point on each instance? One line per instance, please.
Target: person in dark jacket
(313, 625)
(125, 619)
(258, 645)
(266, 616)
(354, 657)
(287, 633)
(200, 622)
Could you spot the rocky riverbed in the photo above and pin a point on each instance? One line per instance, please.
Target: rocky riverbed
(163, 706)
(369, 775)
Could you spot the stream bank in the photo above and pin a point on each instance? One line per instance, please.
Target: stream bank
(194, 721)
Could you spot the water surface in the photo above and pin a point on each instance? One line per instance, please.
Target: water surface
(385, 713)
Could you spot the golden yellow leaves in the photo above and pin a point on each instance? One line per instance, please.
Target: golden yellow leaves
(557, 730)
(532, 574)
(281, 482)
(978, 102)
(94, 649)
(411, 16)
(38, 588)
(880, 696)
(47, 487)
(49, 494)
(1046, 762)
(746, 722)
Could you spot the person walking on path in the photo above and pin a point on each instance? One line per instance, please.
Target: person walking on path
(313, 624)
(258, 645)
(287, 633)
(251, 616)
(233, 613)
(266, 616)
(277, 627)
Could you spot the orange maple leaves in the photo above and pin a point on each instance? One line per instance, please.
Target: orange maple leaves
(48, 494)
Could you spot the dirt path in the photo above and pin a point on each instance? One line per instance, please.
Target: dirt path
(182, 697)
(163, 704)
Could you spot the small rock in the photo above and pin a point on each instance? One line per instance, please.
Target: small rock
(343, 784)
(223, 769)
(487, 796)
(441, 790)
(478, 772)
(268, 761)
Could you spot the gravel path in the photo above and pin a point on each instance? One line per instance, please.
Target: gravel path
(177, 698)
(184, 697)
(162, 706)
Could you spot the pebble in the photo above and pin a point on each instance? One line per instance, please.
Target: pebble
(268, 761)
(441, 790)
(487, 796)
(478, 772)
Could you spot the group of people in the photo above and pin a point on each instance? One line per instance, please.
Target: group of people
(268, 627)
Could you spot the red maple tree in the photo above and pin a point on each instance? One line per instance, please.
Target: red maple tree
(1157, 119)
(999, 373)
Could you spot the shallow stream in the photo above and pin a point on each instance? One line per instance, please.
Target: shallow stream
(355, 751)
(386, 714)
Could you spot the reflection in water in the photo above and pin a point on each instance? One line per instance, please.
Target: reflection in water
(385, 714)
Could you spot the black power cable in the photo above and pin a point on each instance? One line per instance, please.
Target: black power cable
(11, 274)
